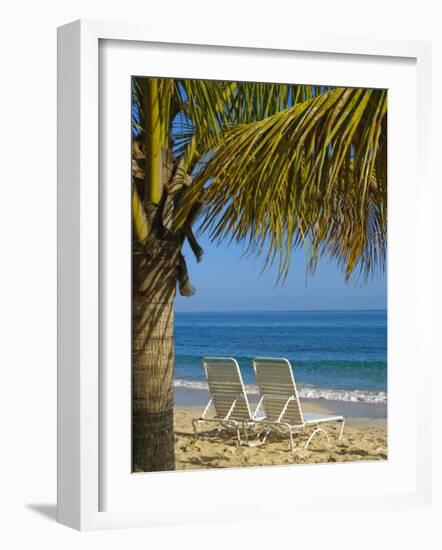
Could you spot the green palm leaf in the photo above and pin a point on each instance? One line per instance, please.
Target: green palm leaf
(285, 180)
(281, 166)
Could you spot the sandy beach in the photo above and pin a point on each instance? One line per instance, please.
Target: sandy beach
(364, 438)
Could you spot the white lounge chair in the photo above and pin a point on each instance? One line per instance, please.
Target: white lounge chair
(228, 397)
(280, 401)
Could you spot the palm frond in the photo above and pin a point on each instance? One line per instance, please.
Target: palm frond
(287, 179)
(281, 166)
(206, 108)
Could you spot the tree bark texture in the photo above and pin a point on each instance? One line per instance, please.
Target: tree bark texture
(154, 287)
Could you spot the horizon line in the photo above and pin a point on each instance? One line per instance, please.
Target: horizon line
(280, 310)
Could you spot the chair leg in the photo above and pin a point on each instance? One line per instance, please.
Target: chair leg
(234, 424)
(266, 435)
(314, 433)
(258, 441)
(195, 429)
(246, 435)
(342, 428)
(236, 427)
(292, 447)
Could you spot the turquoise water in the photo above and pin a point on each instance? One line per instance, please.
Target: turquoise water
(335, 354)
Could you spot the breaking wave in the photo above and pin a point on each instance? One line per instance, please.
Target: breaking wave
(306, 392)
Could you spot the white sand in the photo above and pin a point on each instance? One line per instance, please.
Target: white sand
(363, 439)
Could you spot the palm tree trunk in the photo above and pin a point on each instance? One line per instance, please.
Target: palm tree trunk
(154, 284)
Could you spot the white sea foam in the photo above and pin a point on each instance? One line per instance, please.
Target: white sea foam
(307, 392)
(355, 396)
(200, 385)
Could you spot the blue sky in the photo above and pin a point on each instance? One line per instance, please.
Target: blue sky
(226, 281)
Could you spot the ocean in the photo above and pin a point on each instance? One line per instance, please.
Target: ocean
(336, 355)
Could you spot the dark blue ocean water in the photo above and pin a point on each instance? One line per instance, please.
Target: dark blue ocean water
(335, 354)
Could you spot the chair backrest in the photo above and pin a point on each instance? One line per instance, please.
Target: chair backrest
(225, 385)
(276, 384)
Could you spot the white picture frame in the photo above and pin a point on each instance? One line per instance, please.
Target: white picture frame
(79, 408)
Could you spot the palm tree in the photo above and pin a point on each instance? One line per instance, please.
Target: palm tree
(273, 166)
